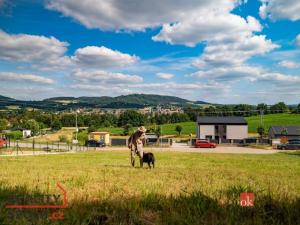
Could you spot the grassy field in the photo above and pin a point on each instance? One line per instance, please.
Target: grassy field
(184, 188)
(273, 119)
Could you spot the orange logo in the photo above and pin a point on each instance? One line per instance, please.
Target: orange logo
(247, 199)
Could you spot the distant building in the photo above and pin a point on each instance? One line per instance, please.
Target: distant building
(291, 132)
(146, 111)
(26, 133)
(222, 129)
(99, 136)
(167, 110)
(151, 138)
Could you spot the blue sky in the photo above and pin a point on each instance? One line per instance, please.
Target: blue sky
(222, 51)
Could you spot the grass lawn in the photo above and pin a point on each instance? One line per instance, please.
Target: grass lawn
(273, 119)
(113, 130)
(184, 188)
(188, 128)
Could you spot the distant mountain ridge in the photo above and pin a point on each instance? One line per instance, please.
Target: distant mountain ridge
(6, 98)
(123, 101)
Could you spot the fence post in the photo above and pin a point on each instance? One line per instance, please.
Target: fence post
(33, 146)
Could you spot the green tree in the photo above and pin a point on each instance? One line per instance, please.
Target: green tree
(157, 132)
(263, 107)
(178, 129)
(279, 108)
(127, 129)
(32, 125)
(298, 108)
(56, 125)
(3, 124)
(92, 129)
(82, 137)
(131, 117)
(15, 135)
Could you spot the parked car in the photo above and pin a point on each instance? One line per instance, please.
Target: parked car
(204, 144)
(291, 145)
(2, 142)
(94, 143)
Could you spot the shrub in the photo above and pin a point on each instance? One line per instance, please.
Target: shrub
(15, 135)
(63, 138)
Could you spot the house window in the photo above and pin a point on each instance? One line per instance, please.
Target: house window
(208, 137)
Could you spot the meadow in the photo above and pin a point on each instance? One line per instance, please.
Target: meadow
(284, 119)
(184, 188)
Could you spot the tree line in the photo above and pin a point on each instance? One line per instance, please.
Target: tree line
(37, 120)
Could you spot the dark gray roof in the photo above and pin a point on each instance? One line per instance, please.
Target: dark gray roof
(236, 120)
(150, 135)
(291, 130)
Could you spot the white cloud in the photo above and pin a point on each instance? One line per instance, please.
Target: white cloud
(234, 52)
(207, 26)
(134, 14)
(297, 40)
(289, 64)
(228, 73)
(250, 73)
(48, 53)
(29, 78)
(102, 57)
(280, 9)
(28, 48)
(230, 39)
(105, 77)
(165, 75)
(279, 78)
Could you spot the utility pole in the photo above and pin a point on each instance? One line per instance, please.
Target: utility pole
(160, 138)
(261, 124)
(261, 118)
(76, 127)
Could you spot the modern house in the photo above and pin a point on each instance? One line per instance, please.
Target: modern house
(290, 132)
(100, 136)
(229, 129)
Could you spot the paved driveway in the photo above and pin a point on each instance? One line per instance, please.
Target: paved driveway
(178, 147)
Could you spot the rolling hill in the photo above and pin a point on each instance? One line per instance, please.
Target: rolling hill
(123, 101)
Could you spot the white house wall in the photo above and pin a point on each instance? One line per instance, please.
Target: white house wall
(237, 131)
(207, 130)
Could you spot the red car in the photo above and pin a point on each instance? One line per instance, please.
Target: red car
(204, 144)
(2, 142)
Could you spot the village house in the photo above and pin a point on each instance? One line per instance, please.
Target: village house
(222, 129)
